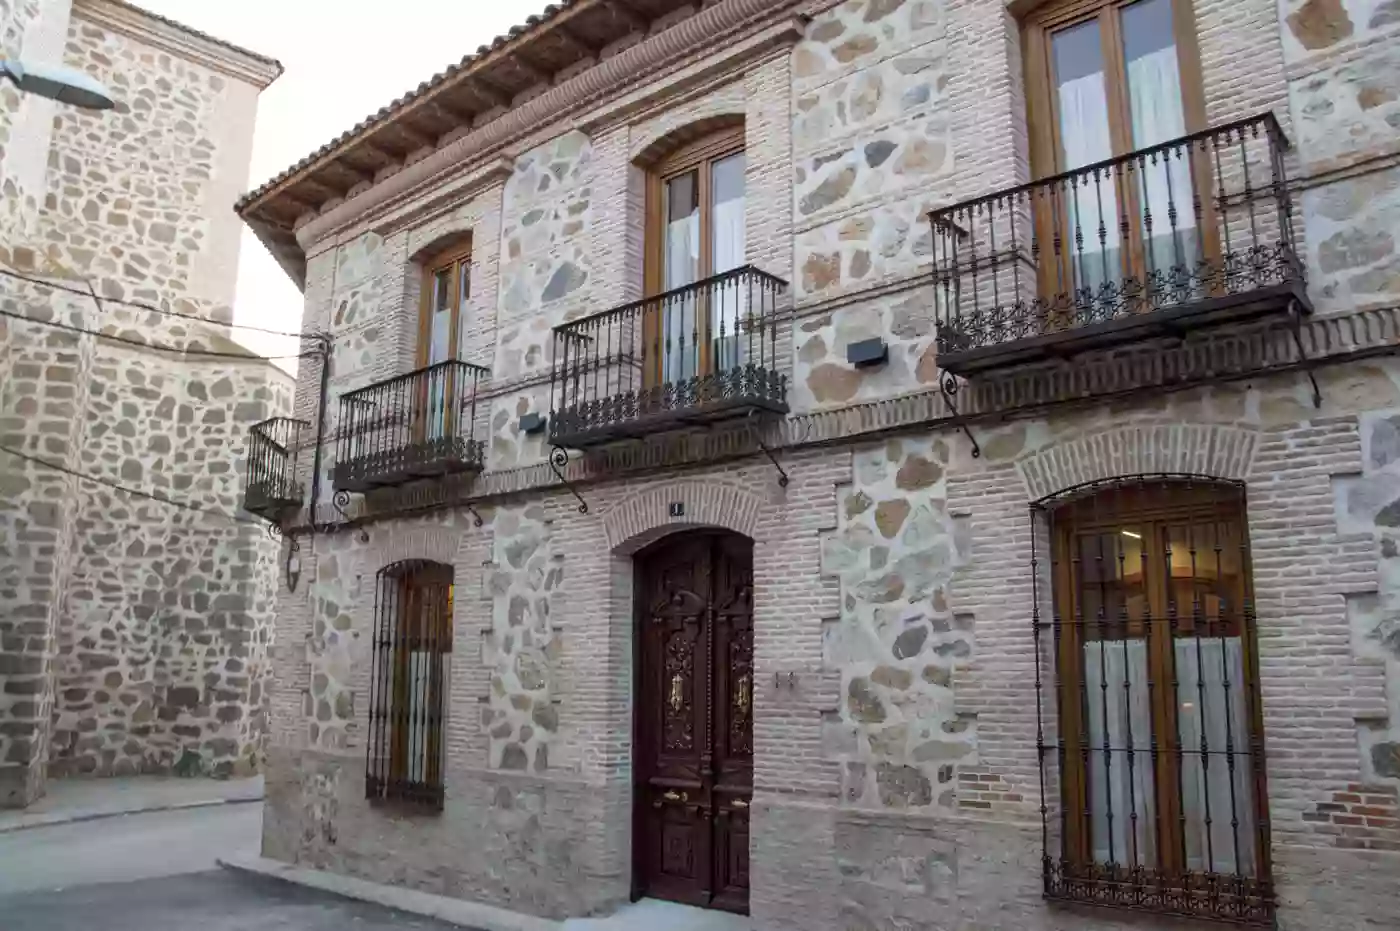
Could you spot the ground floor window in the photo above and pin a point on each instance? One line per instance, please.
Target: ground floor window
(408, 692)
(1150, 721)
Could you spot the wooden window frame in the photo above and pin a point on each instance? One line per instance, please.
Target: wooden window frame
(455, 260)
(1038, 23)
(698, 156)
(1144, 508)
(452, 259)
(402, 589)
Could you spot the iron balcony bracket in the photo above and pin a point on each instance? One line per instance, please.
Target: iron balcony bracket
(1295, 317)
(476, 518)
(756, 429)
(341, 502)
(949, 386)
(558, 461)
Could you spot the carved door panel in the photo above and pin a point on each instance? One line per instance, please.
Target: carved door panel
(694, 721)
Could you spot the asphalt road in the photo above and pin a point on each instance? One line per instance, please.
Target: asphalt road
(213, 901)
(156, 872)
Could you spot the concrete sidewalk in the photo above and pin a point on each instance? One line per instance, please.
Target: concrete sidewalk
(69, 800)
(646, 915)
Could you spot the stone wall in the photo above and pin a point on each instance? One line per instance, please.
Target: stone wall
(136, 631)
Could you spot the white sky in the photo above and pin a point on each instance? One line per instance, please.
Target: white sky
(345, 59)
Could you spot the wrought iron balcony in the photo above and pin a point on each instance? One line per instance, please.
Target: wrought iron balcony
(416, 426)
(1193, 233)
(270, 487)
(694, 355)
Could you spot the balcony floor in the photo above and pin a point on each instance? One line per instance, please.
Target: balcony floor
(664, 421)
(403, 465)
(1174, 321)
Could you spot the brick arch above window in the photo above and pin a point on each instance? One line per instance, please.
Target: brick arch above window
(1223, 451)
(656, 151)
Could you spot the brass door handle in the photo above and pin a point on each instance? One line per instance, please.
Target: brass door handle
(671, 795)
(740, 804)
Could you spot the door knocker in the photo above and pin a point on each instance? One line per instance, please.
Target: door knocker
(677, 692)
(745, 694)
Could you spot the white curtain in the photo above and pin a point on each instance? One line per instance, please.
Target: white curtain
(678, 327)
(1121, 716)
(731, 303)
(1084, 133)
(422, 690)
(1154, 89)
(1203, 703)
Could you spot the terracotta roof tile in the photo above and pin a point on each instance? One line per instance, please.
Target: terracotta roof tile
(387, 112)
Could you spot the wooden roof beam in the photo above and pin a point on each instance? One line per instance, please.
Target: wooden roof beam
(532, 69)
(448, 113)
(629, 15)
(581, 46)
(359, 174)
(491, 92)
(414, 134)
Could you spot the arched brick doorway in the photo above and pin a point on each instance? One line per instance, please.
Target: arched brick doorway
(693, 719)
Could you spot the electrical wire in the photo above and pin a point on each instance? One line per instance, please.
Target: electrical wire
(134, 492)
(137, 305)
(158, 347)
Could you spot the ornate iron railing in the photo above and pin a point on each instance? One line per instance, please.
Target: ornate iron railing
(1190, 233)
(270, 486)
(695, 354)
(415, 426)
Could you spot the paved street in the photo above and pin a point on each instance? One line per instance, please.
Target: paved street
(156, 872)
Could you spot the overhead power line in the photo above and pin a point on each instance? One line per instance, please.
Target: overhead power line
(158, 347)
(138, 305)
(134, 492)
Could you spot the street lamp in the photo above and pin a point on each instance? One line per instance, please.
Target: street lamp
(66, 85)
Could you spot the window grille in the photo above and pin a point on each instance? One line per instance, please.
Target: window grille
(408, 693)
(1149, 726)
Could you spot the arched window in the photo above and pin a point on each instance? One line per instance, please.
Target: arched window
(408, 692)
(1158, 744)
(694, 232)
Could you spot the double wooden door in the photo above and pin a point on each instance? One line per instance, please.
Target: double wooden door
(694, 721)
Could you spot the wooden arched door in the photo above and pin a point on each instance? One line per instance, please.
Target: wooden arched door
(694, 720)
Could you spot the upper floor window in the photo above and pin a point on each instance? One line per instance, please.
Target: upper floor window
(408, 691)
(446, 290)
(1159, 747)
(695, 231)
(1105, 79)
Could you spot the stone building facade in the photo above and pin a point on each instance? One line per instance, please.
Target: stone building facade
(908, 735)
(134, 632)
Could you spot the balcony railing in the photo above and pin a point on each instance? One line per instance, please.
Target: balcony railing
(1191, 233)
(416, 426)
(270, 486)
(694, 355)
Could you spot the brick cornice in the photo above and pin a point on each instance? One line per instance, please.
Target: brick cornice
(1264, 350)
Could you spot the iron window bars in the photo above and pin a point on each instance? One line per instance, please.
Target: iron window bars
(1148, 720)
(413, 426)
(1193, 232)
(695, 354)
(270, 486)
(408, 692)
